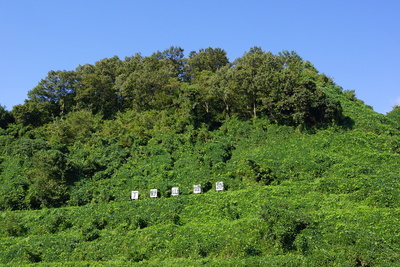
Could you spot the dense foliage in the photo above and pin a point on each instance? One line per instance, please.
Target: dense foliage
(204, 88)
(310, 172)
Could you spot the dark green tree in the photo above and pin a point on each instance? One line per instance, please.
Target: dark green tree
(252, 76)
(58, 88)
(52, 97)
(5, 117)
(152, 84)
(35, 113)
(97, 90)
(172, 57)
(208, 59)
(299, 100)
(282, 87)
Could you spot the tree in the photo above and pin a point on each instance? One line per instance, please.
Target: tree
(208, 59)
(97, 90)
(77, 126)
(35, 113)
(5, 117)
(297, 98)
(172, 57)
(224, 86)
(58, 88)
(252, 75)
(48, 185)
(152, 84)
(52, 97)
(13, 182)
(282, 87)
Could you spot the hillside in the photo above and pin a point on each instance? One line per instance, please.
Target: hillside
(310, 172)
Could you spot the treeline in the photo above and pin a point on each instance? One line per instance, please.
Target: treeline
(203, 87)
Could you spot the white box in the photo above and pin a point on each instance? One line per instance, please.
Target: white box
(134, 195)
(219, 186)
(153, 192)
(175, 191)
(197, 188)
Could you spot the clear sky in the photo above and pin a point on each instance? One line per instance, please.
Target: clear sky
(356, 42)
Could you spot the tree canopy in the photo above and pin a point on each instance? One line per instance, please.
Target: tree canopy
(282, 87)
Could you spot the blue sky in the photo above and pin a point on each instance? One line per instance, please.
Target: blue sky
(355, 42)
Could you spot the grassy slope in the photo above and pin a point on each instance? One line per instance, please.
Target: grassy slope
(333, 200)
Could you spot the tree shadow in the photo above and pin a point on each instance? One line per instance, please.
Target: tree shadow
(346, 123)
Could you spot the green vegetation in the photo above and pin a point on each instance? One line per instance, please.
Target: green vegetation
(310, 172)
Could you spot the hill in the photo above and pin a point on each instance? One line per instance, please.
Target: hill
(310, 172)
